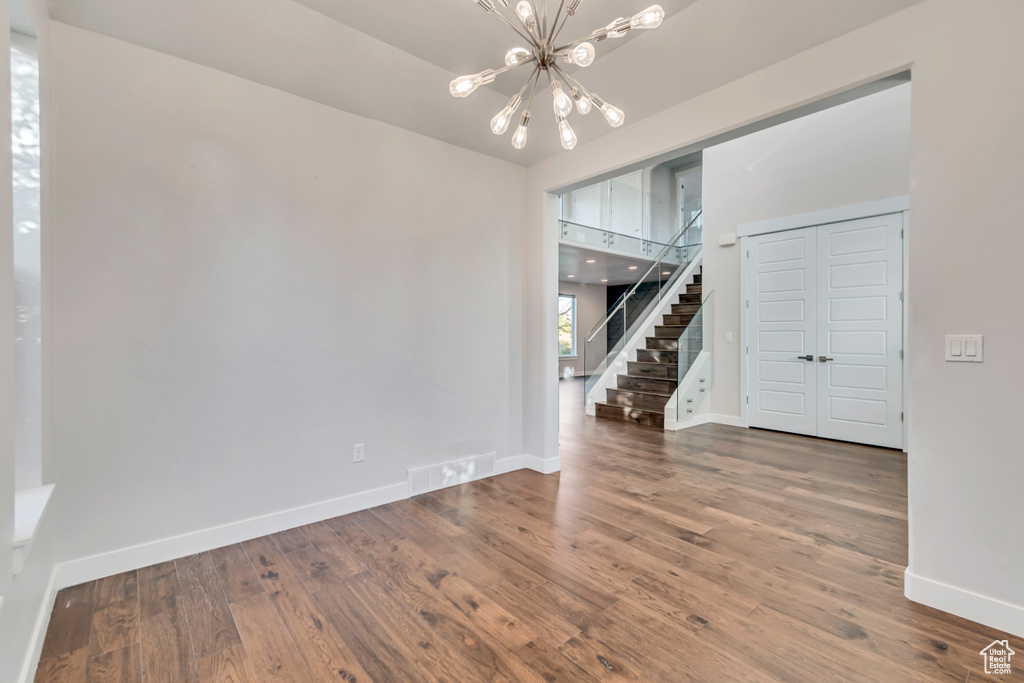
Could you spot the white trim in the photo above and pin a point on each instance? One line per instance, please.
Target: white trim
(673, 426)
(35, 649)
(730, 420)
(842, 214)
(143, 555)
(744, 245)
(548, 466)
(703, 419)
(906, 331)
(964, 603)
(29, 507)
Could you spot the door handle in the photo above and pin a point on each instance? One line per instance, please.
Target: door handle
(807, 357)
(824, 359)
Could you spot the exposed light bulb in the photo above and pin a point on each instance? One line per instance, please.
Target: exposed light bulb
(613, 115)
(519, 137)
(516, 55)
(649, 18)
(581, 55)
(463, 86)
(524, 10)
(566, 134)
(623, 25)
(583, 103)
(561, 103)
(499, 124)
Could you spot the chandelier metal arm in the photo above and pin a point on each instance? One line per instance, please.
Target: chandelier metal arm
(595, 37)
(570, 11)
(528, 39)
(536, 71)
(529, 103)
(511, 67)
(554, 22)
(572, 80)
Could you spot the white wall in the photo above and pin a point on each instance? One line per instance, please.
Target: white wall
(661, 185)
(248, 284)
(591, 307)
(850, 154)
(967, 144)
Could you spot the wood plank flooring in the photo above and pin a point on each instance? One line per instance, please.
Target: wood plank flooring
(712, 554)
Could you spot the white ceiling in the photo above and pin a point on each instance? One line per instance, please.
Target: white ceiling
(392, 61)
(606, 269)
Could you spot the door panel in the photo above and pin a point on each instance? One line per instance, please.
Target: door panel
(783, 327)
(860, 328)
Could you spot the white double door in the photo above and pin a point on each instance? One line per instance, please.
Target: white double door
(825, 331)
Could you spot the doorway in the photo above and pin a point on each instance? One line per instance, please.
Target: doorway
(825, 327)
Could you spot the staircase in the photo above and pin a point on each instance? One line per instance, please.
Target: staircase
(641, 394)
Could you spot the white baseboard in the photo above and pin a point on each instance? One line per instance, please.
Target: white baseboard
(35, 649)
(673, 426)
(509, 464)
(982, 609)
(703, 419)
(730, 420)
(541, 465)
(135, 557)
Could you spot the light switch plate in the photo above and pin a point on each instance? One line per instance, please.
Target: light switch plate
(965, 348)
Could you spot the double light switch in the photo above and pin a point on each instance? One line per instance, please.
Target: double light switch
(964, 348)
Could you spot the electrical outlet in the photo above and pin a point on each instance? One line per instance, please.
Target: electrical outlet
(358, 452)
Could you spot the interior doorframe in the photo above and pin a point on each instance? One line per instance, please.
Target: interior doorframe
(881, 207)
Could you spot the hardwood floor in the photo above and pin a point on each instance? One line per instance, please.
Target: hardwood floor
(712, 554)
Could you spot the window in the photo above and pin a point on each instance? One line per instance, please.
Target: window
(566, 325)
(27, 263)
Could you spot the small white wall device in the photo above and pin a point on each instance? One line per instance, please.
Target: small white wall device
(965, 348)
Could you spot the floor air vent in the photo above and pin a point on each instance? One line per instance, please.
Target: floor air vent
(434, 477)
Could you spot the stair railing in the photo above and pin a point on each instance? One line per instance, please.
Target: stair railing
(643, 278)
(596, 352)
(693, 350)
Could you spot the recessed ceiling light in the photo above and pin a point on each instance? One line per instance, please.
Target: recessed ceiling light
(666, 273)
(632, 267)
(572, 276)
(604, 281)
(592, 261)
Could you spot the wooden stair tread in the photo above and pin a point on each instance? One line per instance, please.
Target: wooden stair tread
(651, 391)
(639, 410)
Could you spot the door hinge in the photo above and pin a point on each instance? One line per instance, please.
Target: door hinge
(901, 417)
(748, 303)
(748, 399)
(901, 234)
(748, 253)
(748, 349)
(901, 296)
(901, 354)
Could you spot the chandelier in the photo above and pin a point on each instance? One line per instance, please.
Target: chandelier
(544, 53)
